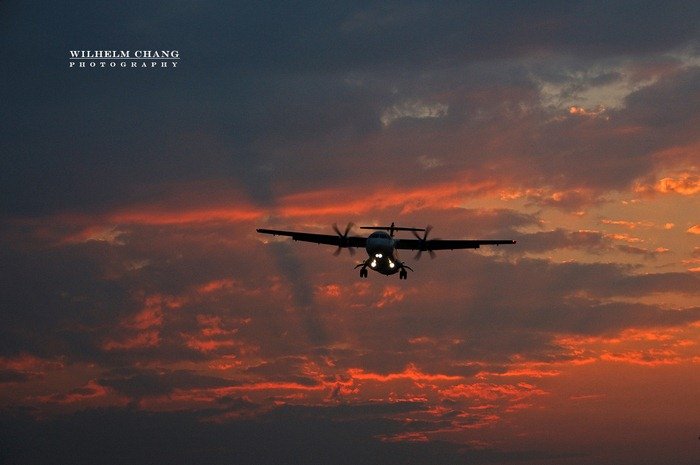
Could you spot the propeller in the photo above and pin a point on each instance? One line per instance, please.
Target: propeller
(343, 239)
(423, 243)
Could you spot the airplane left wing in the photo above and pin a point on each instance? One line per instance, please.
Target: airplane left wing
(439, 244)
(328, 239)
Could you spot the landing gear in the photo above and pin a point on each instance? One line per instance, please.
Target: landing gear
(403, 274)
(363, 268)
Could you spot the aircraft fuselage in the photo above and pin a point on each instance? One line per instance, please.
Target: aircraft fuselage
(382, 256)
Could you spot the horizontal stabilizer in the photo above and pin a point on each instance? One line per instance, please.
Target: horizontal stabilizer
(391, 228)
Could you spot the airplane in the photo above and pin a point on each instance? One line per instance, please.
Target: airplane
(382, 247)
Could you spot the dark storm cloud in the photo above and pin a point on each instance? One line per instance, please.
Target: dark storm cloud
(284, 369)
(14, 376)
(319, 435)
(139, 383)
(668, 104)
(48, 295)
(255, 78)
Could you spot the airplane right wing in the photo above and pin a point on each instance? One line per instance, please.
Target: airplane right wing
(440, 244)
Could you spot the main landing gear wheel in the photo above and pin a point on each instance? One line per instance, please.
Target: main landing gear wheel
(403, 274)
(363, 272)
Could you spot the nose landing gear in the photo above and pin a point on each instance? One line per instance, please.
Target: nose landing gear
(371, 262)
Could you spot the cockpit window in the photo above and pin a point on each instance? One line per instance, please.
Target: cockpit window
(380, 234)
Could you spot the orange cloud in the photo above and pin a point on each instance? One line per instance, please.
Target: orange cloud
(139, 341)
(410, 373)
(99, 233)
(329, 290)
(217, 285)
(597, 112)
(683, 184)
(694, 229)
(390, 295)
(415, 436)
(651, 357)
(274, 386)
(573, 201)
(29, 363)
(206, 345)
(225, 362)
(91, 390)
(213, 334)
(72, 228)
(146, 324)
(628, 224)
(528, 370)
(648, 347)
(110, 227)
(491, 392)
(151, 315)
(154, 216)
(624, 237)
(340, 201)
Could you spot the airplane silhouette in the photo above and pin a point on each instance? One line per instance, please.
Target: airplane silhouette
(382, 246)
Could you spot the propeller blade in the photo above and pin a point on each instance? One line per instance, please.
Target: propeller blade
(343, 237)
(423, 243)
(348, 228)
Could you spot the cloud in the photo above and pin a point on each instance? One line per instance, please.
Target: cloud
(139, 383)
(646, 253)
(288, 128)
(684, 184)
(562, 239)
(414, 110)
(339, 434)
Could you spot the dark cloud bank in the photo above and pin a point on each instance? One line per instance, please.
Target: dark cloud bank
(287, 435)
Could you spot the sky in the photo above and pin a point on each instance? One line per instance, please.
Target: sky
(143, 320)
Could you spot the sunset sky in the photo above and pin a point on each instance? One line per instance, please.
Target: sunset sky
(143, 320)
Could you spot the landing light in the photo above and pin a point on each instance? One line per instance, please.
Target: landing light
(373, 264)
(391, 264)
(378, 255)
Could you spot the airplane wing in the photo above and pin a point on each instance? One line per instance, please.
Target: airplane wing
(328, 239)
(439, 244)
